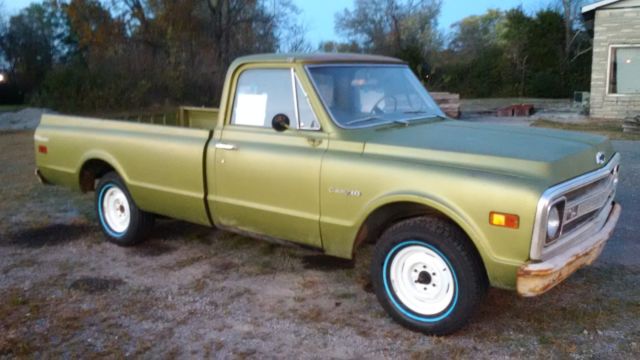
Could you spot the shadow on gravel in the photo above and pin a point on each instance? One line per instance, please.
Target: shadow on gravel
(165, 232)
(152, 248)
(50, 235)
(94, 285)
(164, 235)
(326, 263)
(175, 229)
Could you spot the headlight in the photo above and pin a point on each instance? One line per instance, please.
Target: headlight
(554, 221)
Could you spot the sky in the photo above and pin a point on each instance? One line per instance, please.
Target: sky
(319, 15)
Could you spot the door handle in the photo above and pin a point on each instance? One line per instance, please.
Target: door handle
(224, 146)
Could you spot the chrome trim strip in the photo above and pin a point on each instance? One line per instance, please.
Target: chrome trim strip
(539, 229)
(306, 98)
(40, 138)
(295, 99)
(224, 146)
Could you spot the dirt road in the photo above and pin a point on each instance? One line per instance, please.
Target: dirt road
(192, 291)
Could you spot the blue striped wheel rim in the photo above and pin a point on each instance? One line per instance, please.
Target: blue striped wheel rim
(398, 304)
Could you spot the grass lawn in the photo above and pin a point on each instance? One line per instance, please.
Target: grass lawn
(612, 129)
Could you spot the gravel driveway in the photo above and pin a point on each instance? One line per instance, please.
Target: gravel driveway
(624, 248)
(195, 292)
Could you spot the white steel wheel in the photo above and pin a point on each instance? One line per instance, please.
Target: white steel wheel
(120, 218)
(427, 275)
(116, 209)
(422, 280)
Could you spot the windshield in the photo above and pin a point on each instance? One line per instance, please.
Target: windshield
(367, 95)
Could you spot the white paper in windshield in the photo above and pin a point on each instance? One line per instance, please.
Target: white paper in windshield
(251, 109)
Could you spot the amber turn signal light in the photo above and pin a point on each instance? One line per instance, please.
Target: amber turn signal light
(42, 149)
(505, 220)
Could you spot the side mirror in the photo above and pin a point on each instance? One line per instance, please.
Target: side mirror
(280, 122)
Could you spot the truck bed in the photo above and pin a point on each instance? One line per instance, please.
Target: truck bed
(162, 165)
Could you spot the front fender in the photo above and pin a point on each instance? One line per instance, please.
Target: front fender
(450, 210)
(501, 271)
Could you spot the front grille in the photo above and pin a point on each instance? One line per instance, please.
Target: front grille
(585, 203)
(581, 220)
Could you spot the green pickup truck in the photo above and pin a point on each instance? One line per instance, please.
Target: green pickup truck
(332, 151)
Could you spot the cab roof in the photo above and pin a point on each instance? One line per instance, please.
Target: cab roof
(315, 58)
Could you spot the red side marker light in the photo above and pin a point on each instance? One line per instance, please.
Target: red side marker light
(42, 149)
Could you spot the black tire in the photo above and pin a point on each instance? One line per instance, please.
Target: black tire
(139, 223)
(428, 238)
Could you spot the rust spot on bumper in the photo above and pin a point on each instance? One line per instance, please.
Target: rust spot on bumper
(537, 278)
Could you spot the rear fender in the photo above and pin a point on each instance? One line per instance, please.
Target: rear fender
(103, 156)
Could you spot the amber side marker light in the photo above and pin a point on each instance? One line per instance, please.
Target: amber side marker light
(42, 149)
(504, 220)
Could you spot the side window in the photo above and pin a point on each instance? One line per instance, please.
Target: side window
(260, 95)
(307, 117)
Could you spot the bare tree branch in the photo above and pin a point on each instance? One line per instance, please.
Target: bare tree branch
(580, 53)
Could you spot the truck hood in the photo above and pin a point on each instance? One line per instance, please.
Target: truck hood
(551, 156)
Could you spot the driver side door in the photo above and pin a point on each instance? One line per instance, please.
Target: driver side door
(267, 181)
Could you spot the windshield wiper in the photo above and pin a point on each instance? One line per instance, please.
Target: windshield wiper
(401, 122)
(364, 119)
(415, 121)
(405, 122)
(414, 112)
(429, 118)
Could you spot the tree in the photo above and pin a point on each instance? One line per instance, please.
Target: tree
(392, 27)
(515, 40)
(235, 20)
(573, 25)
(295, 40)
(339, 47)
(512, 53)
(31, 43)
(114, 54)
(94, 28)
(474, 33)
(2, 19)
(3, 30)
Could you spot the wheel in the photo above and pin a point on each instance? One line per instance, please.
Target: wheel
(427, 275)
(121, 220)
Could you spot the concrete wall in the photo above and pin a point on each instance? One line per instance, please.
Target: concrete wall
(613, 26)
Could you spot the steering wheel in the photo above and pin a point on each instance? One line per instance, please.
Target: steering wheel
(377, 110)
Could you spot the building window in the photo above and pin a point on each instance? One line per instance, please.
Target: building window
(624, 70)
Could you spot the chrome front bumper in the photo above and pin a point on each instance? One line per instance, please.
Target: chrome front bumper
(535, 278)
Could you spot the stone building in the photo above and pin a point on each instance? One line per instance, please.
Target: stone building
(615, 72)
